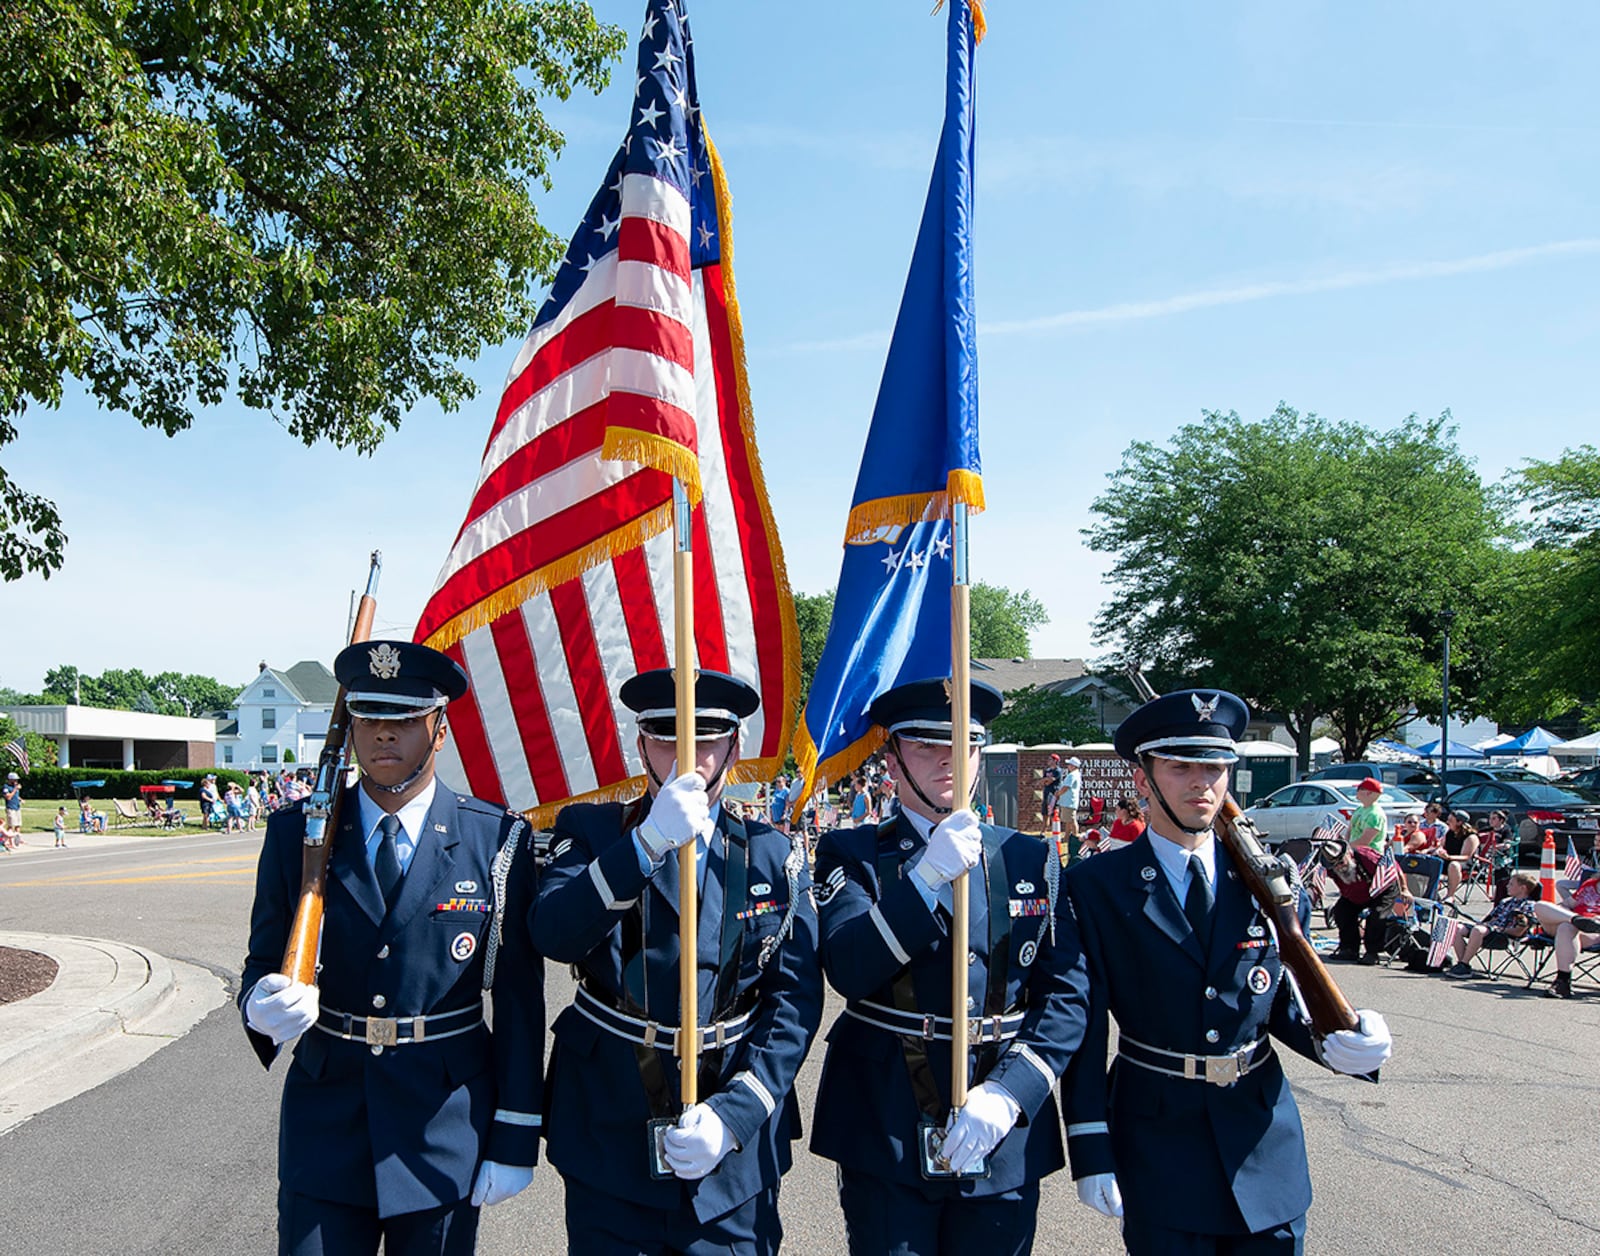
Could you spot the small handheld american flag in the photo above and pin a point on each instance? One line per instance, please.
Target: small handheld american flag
(19, 752)
(1386, 874)
(1574, 867)
(1333, 828)
(1442, 939)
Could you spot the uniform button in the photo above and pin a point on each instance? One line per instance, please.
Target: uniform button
(1211, 992)
(377, 1049)
(972, 958)
(1212, 1035)
(378, 1000)
(972, 1004)
(383, 952)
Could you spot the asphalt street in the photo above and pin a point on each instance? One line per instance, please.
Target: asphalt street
(1479, 1139)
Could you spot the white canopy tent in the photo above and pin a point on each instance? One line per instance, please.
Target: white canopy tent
(1581, 752)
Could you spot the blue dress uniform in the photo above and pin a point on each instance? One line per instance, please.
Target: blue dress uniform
(1194, 1116)
(886, 949)
(613, 1071)
(397, 1132)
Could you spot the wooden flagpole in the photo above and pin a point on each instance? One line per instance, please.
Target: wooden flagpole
(961, 796)
(688, 883)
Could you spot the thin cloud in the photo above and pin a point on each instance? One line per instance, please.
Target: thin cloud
(1372, 277)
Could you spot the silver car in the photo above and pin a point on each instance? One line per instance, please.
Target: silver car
(1296, 810)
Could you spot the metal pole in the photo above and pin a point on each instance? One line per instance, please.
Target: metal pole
(1448, 618)
(688, 885)
(961, 795)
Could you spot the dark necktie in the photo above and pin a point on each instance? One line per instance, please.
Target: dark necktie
(386, 863)
(1197, 900)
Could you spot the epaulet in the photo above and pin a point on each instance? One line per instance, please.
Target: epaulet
(481, 806)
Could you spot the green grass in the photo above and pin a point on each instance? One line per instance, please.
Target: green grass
(39, 817)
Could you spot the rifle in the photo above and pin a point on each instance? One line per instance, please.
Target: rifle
(322, 812)
(1267, 879)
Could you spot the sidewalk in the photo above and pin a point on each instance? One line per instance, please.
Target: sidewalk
(110, 1008)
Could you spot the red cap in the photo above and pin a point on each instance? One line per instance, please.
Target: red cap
(1376, 786)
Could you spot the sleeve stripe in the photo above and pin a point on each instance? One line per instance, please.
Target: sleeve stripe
(892, 942)
(760, 1091)
(1025, 1052)
(602, 886)
(506, 1117)
(1083, 1128)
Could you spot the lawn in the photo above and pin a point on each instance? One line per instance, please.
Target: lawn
(39, 816)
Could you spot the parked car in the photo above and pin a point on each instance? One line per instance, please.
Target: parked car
(1416, 778)
(1567, 810)
(1493, 772)
(1589, 778)
(1292, 812)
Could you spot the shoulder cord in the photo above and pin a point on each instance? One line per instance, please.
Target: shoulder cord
(501, 872)
(791, 870)
(1052, 885)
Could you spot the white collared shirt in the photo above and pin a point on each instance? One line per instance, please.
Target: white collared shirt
(1174, 861)
(413, 823)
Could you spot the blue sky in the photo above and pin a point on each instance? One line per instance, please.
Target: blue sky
(1366, 210)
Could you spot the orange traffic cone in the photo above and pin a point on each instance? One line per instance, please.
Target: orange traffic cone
(1547, 868)
(1055, 834)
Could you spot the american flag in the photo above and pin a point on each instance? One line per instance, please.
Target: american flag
(1313, 877)
(1442, 938)
(1334, 828)
(1574, 869)
(18, 751)
(559, 584)
(1386, 874)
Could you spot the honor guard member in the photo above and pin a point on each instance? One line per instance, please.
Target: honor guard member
(1192, 1137)
(642, 1174)
(911, 1180)
(401, 1115)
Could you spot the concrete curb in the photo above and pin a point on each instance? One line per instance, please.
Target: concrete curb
(110, 1007)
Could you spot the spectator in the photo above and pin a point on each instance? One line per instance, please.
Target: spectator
(211, 807)
(1128, 823)
(888, 804)
(1351, 868)
(1410, 836)
(252, 804)
(860, 802)
(778, 803)
(10, 838)
(235, 806)
(1512, 917)
(89, 820)
(1052, 784)
(1067, 796)
(1433, 824)
(61, 828)
(1459, 846)
(1575, 924)
(13, 796)
(172, 818)
(1369, 827)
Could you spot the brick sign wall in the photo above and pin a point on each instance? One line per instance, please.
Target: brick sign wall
(1105, 775)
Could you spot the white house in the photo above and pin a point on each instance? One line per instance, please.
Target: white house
(280, 718)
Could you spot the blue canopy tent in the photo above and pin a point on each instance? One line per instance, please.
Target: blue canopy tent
(1453, 750)
(1534, 741)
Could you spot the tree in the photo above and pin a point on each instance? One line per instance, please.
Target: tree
(813, 612)
(1002, 621)
(1300, 562)
(1541, 635)
(323, 209)
(1035, 716)
(131, 690)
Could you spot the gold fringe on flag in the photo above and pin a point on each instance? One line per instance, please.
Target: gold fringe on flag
(872, 517)
(980, 27)
(544, 815)
(741, 373)
(649, 449)
(837, 766)
(480, 614)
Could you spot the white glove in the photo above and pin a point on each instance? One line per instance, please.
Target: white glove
(953, 847)
(280, 1008)
(978, 1128)
(498, 1182)
(1359, 1051)
(698, 1145)
(1099, 1191)
(680, 813)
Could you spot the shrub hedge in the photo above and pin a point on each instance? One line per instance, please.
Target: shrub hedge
(57, 782)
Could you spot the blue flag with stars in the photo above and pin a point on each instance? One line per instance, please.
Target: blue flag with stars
(891, 614)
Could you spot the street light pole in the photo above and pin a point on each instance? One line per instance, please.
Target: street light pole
(1446, 618)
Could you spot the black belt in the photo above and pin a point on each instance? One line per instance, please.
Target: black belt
(1218, 1070)
(396, 1031)
(980, 1029)
(649, 1033)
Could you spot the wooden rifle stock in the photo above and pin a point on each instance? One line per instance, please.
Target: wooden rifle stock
(1269, 883)
(322, 813)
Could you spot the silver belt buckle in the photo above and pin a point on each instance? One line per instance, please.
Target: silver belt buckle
(928, 1031)
(1222, 1070)
(383, 1031)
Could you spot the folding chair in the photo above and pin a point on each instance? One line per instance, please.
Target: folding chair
(1495, 861)
(1527, 955)
(127, 812)
(1422, 874)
